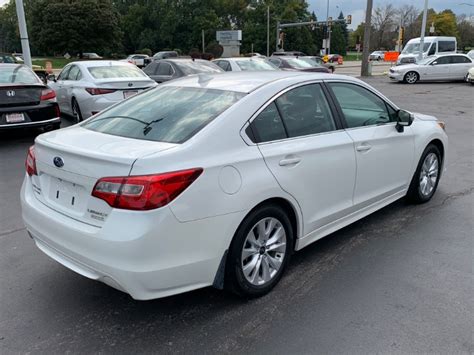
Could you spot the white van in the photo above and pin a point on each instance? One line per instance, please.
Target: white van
(433, 45)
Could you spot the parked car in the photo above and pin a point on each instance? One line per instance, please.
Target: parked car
(140, 60)
(85, 88)
(25, 101)
(432, 45)
(125, 197)
(377, 55)
(334, 58)
(165, 55)
(295, 63)
(168, 69)
(10, 58)
(244, 64)
(470, 76)
(449, 67)
(255, 54)
(288, 54)
(313, 60)
(91, 56)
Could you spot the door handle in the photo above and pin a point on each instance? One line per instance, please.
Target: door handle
(363, 148)
(289, 161)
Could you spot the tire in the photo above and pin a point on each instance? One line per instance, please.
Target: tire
(411, 77)
(76, 111)
(426, 178)
(252, 270)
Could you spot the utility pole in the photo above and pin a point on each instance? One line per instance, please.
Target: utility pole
(423, 30)
(25, 44)
(326, 50)
(268, 31)
(367, 29)
(203, 45)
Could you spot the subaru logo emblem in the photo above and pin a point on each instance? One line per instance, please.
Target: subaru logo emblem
(130, 85)
(58, 161)
(10, 93)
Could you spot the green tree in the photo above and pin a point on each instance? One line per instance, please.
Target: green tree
(75, 26)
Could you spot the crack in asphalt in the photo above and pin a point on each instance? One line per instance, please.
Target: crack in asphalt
(10, 231)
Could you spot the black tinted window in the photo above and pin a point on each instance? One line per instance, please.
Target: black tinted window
(458, 59)
(150, 69)
(165, 69)
(360, 106)
(305, 111)
(446, 46)
(267, 126)
(167, 114)
(442, 60)
(224, 64)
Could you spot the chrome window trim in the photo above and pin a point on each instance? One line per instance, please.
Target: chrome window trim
(247, 139)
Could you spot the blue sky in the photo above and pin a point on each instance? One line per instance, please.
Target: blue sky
(357, 7)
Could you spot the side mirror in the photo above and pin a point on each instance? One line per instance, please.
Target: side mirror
(404, 119)
(434, 63)
(51, 77)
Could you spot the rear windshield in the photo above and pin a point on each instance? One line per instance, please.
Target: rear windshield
(116, 71)
(166, 114)
(298, 63)
(191, 67)
(255, 65)
(17, 75)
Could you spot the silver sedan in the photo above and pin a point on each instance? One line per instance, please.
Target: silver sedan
(85, 88)
(449, 67)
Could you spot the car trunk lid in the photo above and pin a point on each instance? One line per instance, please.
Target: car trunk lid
(69, 162)
(20, 95)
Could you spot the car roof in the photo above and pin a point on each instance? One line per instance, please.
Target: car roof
(100, 63)
(240, 58)
(246, 82)
(8, 65)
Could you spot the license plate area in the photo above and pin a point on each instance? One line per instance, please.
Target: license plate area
(66, 195)
(129, 93)
(15, 117)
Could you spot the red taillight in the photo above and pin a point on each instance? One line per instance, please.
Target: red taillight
(30, 162)
(48, 94)
(145, 192)
(96, 91)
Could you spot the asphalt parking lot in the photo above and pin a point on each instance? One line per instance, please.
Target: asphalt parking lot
(400, 280)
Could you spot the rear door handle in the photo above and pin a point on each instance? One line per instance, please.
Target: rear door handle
(290, 161)
(363, 148)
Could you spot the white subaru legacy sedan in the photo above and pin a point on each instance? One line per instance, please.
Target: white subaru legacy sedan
(218, 179)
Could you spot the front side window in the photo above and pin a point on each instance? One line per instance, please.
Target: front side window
(305, 111)
(73, 73)
(224, 64)
(432, 49)
(64, 73)
(166, 114)
(360, 106)
(116, 71)
(442, 60)
(446, 46)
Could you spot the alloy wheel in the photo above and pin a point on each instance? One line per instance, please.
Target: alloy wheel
(76, 111)
(429, 174)
(264, 251)
(411, 77)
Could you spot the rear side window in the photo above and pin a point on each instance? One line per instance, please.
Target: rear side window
(116, 71)
(446, 46)
(165, 69)
(150, 69)
(305, 111)
(224, 64)
(166, 114)
(268, 126)
(458, 59)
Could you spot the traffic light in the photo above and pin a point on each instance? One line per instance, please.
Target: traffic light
(349, 19)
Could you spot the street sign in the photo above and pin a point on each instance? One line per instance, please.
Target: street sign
(227, 36)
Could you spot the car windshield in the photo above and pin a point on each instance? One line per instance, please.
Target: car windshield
(6, 58)
(313, 62)
(415, 47)
(17, 75)
(116, 71)
(193, 67)
(299, 63)
(166, 114)
(255, 65)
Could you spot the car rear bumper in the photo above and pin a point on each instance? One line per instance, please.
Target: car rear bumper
(40, 115)
(145, 254)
